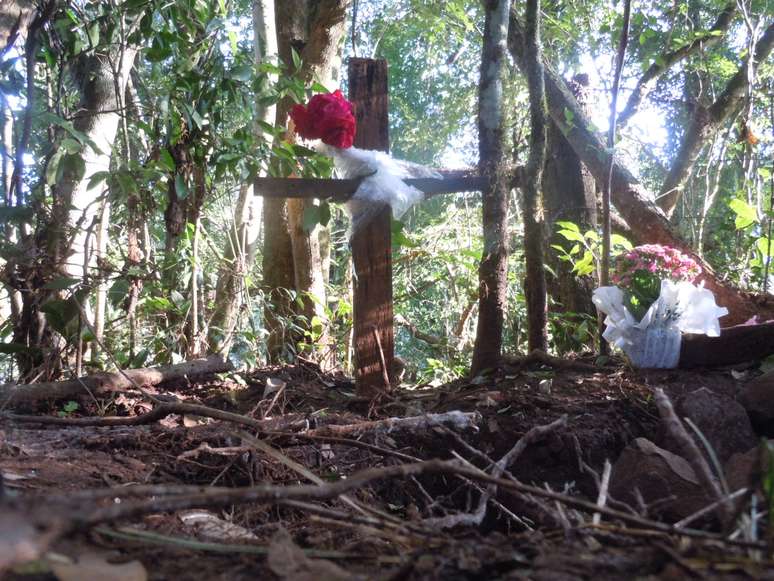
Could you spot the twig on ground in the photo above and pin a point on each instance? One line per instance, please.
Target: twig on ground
(533, 435)
(710, 507)
(152, 538)
(205, 448)
(603, 488)
(541, 357)
(457, 419)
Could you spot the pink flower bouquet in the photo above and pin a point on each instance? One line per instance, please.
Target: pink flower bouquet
(639, 272)
(653, 303)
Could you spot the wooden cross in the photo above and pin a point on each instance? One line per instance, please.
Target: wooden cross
(374, 342)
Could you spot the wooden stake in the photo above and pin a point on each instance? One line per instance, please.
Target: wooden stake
(372, 245)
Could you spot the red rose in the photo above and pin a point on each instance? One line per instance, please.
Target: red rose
(328, 117)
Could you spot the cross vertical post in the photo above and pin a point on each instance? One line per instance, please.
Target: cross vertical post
(374, 338)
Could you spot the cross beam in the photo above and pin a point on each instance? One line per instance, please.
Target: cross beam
(453, 181)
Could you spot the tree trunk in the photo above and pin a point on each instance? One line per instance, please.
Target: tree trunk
(569, 194)
(74, 202)
(535, 282)
(493, 270)
(15, 19)
(64, 245)
(292, 256)
(633, 201)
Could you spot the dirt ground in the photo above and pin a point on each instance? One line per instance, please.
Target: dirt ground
(387, 529)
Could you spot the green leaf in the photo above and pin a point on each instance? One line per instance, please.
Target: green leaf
(325, 213)
(52, 169)
(746, 215)
(618, 240)
(166, 161)
(126, 182)
(97, 178)
(572, 235)
(296, 58)
(118, 292)
(319, 87)
(585, 265)
(242, 73)
(568, 225)
(765, 246)
(70, 145)
(62, 283)
(311, 218)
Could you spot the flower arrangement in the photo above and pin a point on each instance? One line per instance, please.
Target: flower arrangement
(328, 117)
(639, 272)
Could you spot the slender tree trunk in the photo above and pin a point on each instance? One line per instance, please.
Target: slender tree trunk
(134, 229)
(292, 257)
(64, 241)
(100, 302)
(535, 283)
(11, 234)
(493, 270)
(15, 19)
(238, 258)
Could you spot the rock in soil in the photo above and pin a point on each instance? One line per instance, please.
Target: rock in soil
(744, 469)
(722, 421)
(757, 397)
(664, 481)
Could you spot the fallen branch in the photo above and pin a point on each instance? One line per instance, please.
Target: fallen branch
(162, 411)
(536, 356)
(274, 427)
(457, 419)
(13, 395)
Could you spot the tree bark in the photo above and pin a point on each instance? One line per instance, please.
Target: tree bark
(535, 283)
(292, 258)
(15, 19)
(64, 243)
(569, 194)
(633, 202)
(74, 202)
(493, 270)
(707, 121)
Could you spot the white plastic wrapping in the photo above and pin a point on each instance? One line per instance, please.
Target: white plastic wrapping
(654, 341)
(383, 183)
